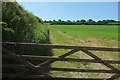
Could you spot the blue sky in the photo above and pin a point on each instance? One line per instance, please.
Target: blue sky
(73, 10)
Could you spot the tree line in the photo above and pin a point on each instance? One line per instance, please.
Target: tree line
(82, 22)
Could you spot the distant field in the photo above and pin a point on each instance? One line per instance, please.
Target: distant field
(83, 35)
(95, 31)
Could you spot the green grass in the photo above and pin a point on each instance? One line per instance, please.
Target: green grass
(83, 35)
(83, 31)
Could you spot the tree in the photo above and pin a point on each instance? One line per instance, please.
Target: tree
(54, 21)
(59, 20)
(90, 21)
(68, 21)
(78, 21)
(99, 22)
(83, 21)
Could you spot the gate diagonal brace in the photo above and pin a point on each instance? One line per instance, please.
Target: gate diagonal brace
(44, 64)
(97, 58)
(116, 76)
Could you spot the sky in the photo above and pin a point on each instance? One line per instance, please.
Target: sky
(73, 10)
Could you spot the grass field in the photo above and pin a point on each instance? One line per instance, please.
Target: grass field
(84, 35)
(97, 31)
(90, 35)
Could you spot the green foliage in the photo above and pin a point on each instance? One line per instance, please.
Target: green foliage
(41, 34)
(22, 23)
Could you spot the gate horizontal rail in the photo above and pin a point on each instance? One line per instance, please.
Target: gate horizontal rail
(41, 76)
(64, 69)
(44, 58)
(61, 46)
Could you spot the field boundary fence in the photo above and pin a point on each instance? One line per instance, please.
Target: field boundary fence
(43, 67)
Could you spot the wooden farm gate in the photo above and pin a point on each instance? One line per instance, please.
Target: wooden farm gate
(43, 67)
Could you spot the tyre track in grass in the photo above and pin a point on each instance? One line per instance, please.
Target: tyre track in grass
(64, 37)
